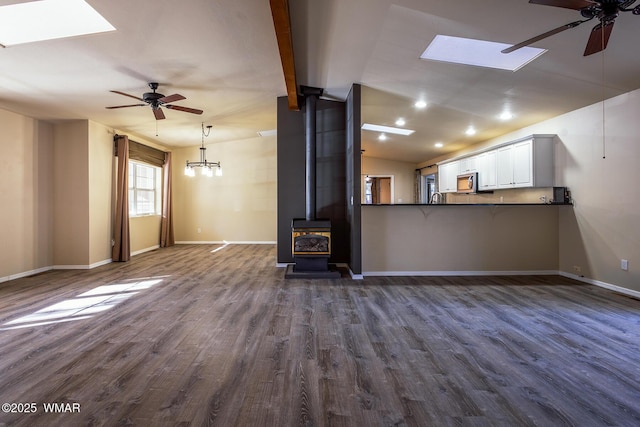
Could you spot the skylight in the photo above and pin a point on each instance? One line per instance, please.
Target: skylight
(479, 53)
(387, 129)
(49, 19)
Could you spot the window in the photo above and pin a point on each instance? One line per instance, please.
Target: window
(144, 189)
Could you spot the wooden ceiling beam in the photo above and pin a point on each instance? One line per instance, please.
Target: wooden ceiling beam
(282, 25)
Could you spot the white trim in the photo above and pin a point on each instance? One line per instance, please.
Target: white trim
(224, 242)
(82, 267)
(149, 249)
(101, 263)
(25, 274)
(611, 287)
(461, 273)
(71, 267)
(351, 273)
(282, 264)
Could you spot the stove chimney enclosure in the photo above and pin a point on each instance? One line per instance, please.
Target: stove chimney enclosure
(311, 95)
(311, 237)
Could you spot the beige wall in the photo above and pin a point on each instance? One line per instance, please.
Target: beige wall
(71, 194)
(101, 172)
(403, 176)
(26, 179)
(603, 227)
(443, 239)
(239, 206)
(144, 232)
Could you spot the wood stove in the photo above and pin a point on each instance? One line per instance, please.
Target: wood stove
(311, 249)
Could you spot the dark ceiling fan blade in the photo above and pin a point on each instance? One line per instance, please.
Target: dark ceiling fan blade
(158, 113)
(542, 36)
(125, 106)
(171, 98)
(567, 4)
(126, 94)
(185, 109)
(599, 38)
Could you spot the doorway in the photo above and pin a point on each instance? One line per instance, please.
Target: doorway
(378, 190)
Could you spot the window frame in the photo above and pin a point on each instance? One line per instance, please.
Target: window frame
(135, 190)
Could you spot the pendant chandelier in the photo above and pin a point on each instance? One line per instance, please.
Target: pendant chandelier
(208, 168)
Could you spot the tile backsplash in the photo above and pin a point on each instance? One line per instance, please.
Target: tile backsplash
(513, 195)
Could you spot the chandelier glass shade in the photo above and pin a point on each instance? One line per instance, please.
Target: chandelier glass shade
(209, 169)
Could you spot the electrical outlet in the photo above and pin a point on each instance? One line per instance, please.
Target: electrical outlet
(199, 230)
(577, 269)
(624, 264)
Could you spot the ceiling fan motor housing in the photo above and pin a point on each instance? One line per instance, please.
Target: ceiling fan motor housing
(152, 98)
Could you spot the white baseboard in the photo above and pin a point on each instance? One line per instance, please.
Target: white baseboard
(25, 274)
(601, 284)
(461, 273)
(351, 273)
(225, 242)
(149, 249)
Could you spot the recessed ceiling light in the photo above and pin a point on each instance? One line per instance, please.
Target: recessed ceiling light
(506, 116)
(400, 122)
(388, 129)
(480, 53)
(49, 19)
(420, 104)
(438, 145)
(470, 131)
(382, 137)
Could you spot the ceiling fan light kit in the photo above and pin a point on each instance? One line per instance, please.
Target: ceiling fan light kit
(606, 11)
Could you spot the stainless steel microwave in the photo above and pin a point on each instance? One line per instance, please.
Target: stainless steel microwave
(467, 183)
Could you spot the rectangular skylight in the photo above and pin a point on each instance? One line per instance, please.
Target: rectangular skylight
(387, 129)
(479, 53)
(47, 20)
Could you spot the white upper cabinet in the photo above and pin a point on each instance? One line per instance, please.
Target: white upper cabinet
(447, 177)
(514, 165)
(487, 171)
(468, 164)
(527, 162)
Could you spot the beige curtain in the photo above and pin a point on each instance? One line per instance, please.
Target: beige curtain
(121, 250)
(166, 227)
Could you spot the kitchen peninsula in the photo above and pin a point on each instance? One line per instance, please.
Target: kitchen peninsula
(506, 225)
(461, 239)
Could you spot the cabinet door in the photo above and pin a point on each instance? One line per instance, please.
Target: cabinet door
(487, 171)
(522, 156)
(469, 164)
(447, 177)
(504, 164)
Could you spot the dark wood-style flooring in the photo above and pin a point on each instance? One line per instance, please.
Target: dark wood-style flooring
(189, 336)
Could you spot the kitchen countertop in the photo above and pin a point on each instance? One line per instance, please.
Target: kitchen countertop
(472, 204)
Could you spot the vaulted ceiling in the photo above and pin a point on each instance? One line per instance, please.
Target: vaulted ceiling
(223, 57)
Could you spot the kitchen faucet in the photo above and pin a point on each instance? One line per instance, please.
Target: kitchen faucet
(437, 198)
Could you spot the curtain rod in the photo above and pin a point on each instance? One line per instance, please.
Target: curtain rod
(427, 167)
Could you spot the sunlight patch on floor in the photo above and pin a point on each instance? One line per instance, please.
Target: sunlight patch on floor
(85, 305)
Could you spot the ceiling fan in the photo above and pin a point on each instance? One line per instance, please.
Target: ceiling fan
(155, 101)
(606, 11)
